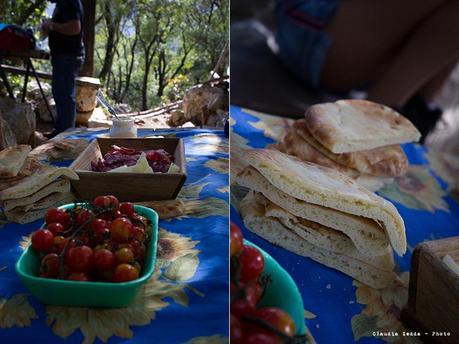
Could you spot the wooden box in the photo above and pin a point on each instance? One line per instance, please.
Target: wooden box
(129, 186)
(433, 301)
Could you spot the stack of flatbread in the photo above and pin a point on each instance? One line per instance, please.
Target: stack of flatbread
(28, 188)
(59, 150)
(356, 137)
(323, 214)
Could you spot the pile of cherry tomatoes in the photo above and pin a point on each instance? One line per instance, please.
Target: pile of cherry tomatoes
(251, 324)
(100, 241)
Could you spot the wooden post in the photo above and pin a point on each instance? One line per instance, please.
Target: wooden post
(89, 7)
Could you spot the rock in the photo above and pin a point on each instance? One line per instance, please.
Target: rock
(177, 118)
(7, 138)
(188, 125)
(33, 90)
(21, 120)
(42, 110)
(203, 101)
(99, 119)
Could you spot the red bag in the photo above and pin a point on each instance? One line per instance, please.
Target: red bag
(15, 38)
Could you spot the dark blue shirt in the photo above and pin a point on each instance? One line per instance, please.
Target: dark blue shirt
(59, 44)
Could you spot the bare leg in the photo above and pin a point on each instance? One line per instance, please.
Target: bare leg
(399, 45)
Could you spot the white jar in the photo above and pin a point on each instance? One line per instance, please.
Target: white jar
(123, 127)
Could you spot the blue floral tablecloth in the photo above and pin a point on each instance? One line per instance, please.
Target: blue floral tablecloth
(338, 309)
(187, 299)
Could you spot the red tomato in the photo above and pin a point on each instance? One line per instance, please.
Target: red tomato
(49, 266)
(54, 215)
(106, 202)
(124, 255)
(236, 239)
(43, 241)
(104, 259)
(80, 259)
(98, 225)
(138, 248)
(116, 214)
(55, 227)
(127, 208)
(241, 307)
(261, 338)
(235, 330)
(78, 276)
(83, 216)
(252, 264)
(120, 229)
(278, 318)
(253, 291)
(138, 233)
(125, 273)
(59, 243)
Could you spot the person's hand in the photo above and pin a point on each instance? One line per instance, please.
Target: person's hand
(47, 26)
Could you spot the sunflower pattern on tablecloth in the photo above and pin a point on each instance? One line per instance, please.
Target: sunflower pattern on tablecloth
(188, 290)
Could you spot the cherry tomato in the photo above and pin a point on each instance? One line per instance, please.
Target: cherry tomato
(98, 225)
(137, 266)
(104, 259)
(55, 227)
(116, 214)
(78, 276)
(108, 201)
(235, 330)
(127, 208)
(43, 241)
(138, 248)
(125, 273)
(120, 229)
(261, 338)
(138, 233)
(252, 264)
(59, 243)
(54, 215)
(80, 259)
(251, 291)
(49, 266)
(236, 239)
(241, 307)
(83, 216)
(124, 255)
(278, 318)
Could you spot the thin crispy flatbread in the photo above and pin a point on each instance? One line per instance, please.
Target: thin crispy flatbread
(356, 125)
(36, 181)
(387, 161)
(60, 186)
(12, 159)
(326, 187)
(273, 231)
(58, 150)
(367, 235)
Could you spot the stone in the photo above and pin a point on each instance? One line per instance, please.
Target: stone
(203, 101)
(20, 118)
(99, 119)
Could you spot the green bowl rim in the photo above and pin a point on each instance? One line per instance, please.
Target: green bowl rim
(139, 280)
(295, 291)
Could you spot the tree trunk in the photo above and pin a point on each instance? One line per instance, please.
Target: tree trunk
(145, 81)
(89, 24)
(112, 27)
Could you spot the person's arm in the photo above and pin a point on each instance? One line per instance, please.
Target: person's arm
(70, 28)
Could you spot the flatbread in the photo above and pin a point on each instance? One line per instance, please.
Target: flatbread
(295, 145)
(273, 231)
(12, 159)
(321, 236)
(166, 209)
(387, 161)
(59, 186)
(326, 187)
(36, 181)
(59, 150)
(30, 166)
(367, 235)
(356, 125)
(36, 212)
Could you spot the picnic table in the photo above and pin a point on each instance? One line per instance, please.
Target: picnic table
(339, 309)
(186, 300)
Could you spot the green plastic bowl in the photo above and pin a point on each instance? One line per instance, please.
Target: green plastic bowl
(88, 294)
(282, 292)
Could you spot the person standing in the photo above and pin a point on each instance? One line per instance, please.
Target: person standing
(65, 32)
